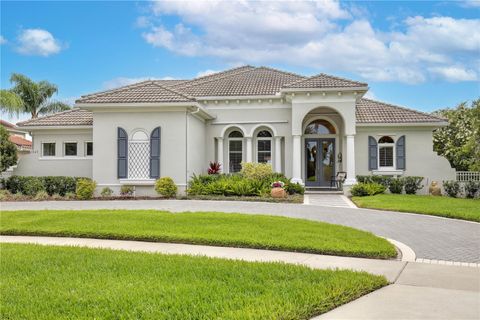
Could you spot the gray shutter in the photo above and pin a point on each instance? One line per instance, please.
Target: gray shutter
(122, 154)
(372, 154)
(401, 161)
(155, 153)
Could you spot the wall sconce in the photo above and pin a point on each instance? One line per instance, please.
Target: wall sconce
(339, 157)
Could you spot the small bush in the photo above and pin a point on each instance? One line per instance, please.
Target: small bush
(166, 187)
(85, 189)
(56, 196)
(452, 188)
(20, 197)
(214, 168)
(383, 180)
(412, 184)
(106, 192)
(70, 195)
(256, 171)
(41, 195)
(126, 191)
(60, 184)
(294, 188)
(33, 186)
(471, 189)
(396, 185)
(367, 189)
(5, 195)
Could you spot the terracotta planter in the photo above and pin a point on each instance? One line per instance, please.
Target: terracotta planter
(278, 193)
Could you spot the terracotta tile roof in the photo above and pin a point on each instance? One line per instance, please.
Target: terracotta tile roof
(371, 111)
(20, 142)
(7, 124)
(146, 91)
(323, 80)
(245, 81)
(72, 117)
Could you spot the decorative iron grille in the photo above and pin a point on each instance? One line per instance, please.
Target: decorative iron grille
(139, 160)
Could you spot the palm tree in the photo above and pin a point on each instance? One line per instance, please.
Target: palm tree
(28, 96)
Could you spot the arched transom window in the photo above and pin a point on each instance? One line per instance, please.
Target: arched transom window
(235, 151)
(264, 147)
(386, 152)
(320, 126)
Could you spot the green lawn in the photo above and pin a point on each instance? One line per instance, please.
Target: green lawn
(41, 282)
(221, 229)
(465, 209)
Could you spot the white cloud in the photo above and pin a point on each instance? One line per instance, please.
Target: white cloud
(124, 81)
(470, 3)
(370, 95)
(309, 34)
(37, 42)
(205, 73)
(455, 74)
(2, 40)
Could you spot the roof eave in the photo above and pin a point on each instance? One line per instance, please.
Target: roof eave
(403, 124)
(55, 127)
(93, 106)
(360, 89)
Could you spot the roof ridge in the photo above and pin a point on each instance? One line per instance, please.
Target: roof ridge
(188, 84)
(325, 75)
(175, 91)
(284, 72)
(405, 108)
(50, 115)
(99, 93)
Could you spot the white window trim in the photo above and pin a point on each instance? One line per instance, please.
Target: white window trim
(394, 156)
(228, 150)
(85, 149)
(271, 148)
(41, 151)
(63, 151)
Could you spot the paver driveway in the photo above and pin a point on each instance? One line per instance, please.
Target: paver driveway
(430, 237)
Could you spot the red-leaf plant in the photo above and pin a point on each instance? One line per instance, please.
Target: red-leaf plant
(214, 168)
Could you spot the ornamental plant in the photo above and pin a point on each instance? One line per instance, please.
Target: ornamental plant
(452, 188)
(214, 167)
(85, 189)
(166, 187)
(278, 184)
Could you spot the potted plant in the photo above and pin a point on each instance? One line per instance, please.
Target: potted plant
(277, 190)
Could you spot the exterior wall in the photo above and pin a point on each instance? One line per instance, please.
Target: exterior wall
(172, 151)
(197, 162)
(421, 160)
(34, 164)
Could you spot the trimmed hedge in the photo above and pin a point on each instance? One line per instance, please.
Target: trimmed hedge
(411, 184)
(367, 189)
(32, 185)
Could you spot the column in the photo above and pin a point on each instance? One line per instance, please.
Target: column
(351, 177)
(220, 152)
(297, 159)
(249, 149)
(278, 154)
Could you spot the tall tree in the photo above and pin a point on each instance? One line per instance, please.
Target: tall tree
(459, 142)
(28, 96)
(8, 150)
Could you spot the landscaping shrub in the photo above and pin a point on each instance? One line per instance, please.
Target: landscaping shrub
(41, 195)
(56, 196)
(106, 192)
(257, 171)
(383, 180)
(396, 185)
(32, 186)
(294, 188)
(126, 191)
(452, 188)
(367, 189)
(5, 195)
(70, 195)
(60, 185)
(471, 189)
(166, 187)
(412, 184)
(214, 168)
(51, 184)
(85, 189)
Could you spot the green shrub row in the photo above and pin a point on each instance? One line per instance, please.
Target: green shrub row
(367, 189)
(239, 185)
(411, 184)
(455, 189)
(31, 186)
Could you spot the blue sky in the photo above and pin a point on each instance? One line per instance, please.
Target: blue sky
(424, 55)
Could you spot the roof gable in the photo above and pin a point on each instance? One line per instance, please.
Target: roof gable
(323, 80)
(72, 117)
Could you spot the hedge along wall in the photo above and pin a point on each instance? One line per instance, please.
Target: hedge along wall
(32, 185)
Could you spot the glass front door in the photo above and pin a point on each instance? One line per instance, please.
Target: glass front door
(319, 161)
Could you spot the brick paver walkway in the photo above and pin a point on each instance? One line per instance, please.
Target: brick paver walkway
(430, 237)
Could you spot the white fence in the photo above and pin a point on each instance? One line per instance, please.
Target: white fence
(464, 176)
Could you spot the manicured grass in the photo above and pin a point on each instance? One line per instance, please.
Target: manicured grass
(40, 282)
(465, 209)
(212, 228)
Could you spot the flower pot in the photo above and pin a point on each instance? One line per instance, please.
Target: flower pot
(278, 193)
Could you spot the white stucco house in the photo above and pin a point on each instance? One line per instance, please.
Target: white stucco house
(309, 128)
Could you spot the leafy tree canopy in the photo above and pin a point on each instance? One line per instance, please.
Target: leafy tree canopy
(459, 142)
(28, 96)
(8, 150)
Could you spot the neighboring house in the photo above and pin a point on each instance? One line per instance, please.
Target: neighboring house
(309, 128)
(18, 137)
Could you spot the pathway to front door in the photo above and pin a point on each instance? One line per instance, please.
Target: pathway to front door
(328, 200)
(319, 161)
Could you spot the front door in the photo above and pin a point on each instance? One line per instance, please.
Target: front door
(319, 161)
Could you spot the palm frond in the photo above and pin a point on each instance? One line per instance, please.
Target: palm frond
(10, 102)
(53, 107)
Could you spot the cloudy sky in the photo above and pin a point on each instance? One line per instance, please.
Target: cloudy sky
(423, 54)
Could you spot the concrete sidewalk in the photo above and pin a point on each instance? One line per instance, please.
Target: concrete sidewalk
(418, 290)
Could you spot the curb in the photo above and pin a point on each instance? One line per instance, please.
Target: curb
(407, 253)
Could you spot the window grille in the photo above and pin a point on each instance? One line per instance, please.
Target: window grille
(139, 160)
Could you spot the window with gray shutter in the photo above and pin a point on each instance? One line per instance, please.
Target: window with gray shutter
(372, 154)
(155, 153)
(401, 161)
(122, 153)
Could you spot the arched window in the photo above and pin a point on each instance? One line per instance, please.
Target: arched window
(235, 151)
(264, 147)
(320, 126)
(386, 152)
